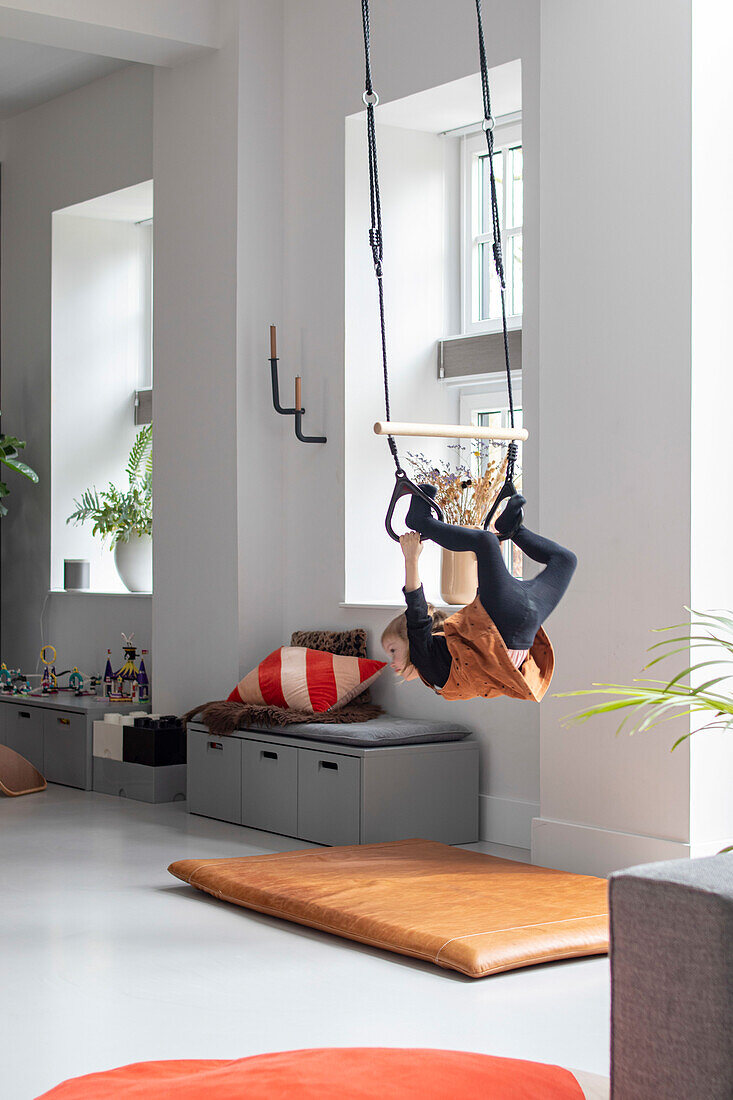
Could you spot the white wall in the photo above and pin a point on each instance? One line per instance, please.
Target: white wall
(614, 409)
(412, 168)
(90, 142)
(266, 459)
(711, 777)
(195, 429)
(416, 45)
(98, 269)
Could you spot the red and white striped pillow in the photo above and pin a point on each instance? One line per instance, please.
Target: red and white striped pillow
(307, 680)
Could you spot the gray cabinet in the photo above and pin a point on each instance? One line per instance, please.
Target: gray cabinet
(328, 797)
(216, 764)
(270, 787)
(54, 732)
(23, 731)
(66, 754)
(337, 795)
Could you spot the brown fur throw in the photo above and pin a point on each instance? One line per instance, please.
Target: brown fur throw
(225, 716)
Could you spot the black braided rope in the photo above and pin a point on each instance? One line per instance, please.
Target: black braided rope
(496, 228)
(375, 232)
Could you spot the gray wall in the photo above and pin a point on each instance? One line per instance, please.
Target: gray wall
(89, 142)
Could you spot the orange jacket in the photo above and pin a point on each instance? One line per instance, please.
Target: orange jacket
(481, 665)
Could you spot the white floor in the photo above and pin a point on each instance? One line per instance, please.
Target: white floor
(106, 959)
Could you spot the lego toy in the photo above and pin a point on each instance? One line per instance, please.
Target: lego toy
(129, 683)
(76, 681)
(49, 680)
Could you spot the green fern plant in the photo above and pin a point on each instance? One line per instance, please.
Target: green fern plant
(118, 514)
(697, 691)
(10, 446)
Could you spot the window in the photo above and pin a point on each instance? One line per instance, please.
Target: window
(489, 408)
(101, 324)
(481, 303)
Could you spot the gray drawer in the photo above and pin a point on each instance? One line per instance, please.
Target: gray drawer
(215, 776)
(66, 754)
(270, 787)
(23, 731)
(328, 797)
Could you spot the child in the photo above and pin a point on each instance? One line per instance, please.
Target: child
(495, 645)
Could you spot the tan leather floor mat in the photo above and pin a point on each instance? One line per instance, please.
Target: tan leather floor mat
(463, 910)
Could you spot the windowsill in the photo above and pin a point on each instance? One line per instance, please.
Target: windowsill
(513, 324)
(92, 592)
(393, 606)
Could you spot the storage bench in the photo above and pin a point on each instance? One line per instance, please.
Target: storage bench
(335, 793)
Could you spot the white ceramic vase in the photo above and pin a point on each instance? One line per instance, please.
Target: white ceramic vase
(458, 576)
(134, 562)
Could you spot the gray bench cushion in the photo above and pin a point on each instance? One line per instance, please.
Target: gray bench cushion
(385, 730)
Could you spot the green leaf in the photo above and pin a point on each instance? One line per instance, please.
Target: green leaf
(20, 468)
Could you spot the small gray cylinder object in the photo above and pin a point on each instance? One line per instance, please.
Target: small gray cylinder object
(76, 574)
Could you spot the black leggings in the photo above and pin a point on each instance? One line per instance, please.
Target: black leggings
(517, 608)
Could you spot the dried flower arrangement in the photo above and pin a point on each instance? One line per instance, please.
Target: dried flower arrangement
(468, 486)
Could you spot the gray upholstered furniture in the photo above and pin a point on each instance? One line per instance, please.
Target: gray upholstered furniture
(672, 981)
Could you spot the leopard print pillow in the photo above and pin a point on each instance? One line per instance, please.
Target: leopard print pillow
(346, 643)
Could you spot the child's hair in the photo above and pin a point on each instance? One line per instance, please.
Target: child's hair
(398, 629)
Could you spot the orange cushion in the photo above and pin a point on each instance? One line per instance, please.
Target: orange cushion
(335, 1074)
(306, 680)
(463, 910)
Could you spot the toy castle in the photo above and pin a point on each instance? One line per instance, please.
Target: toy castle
(129, 684)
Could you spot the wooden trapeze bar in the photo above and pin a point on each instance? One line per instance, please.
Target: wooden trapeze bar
(449, 431)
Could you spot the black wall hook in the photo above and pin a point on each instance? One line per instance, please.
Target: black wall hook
(299, 408)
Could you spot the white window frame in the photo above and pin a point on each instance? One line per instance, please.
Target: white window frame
(145, 379)
(488, 395)
(492, 396)
(474, 145)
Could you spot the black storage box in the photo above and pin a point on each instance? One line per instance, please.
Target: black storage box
(154, 747)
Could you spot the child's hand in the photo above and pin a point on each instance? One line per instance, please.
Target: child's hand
(412, 546)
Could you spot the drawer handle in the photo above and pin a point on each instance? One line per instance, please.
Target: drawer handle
(24, 714)
(215, 745)
(64, 721)
(328, 764)
(268, 755)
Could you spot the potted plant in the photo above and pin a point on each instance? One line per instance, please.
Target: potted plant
(10, 446)
(466, 491)
(126, 516)
(646, 703)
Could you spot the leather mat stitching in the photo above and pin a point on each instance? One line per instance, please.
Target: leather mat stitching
(518, 928)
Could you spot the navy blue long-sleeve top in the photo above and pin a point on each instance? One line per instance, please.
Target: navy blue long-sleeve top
(429, 652)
